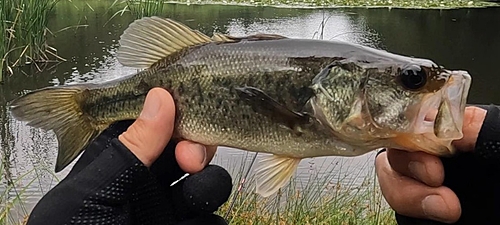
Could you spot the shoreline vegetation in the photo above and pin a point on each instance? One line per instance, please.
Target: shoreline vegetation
(23, 41)
(321, 200)
(322, 4)
(24, 26)
(24, 23)
(326, 199)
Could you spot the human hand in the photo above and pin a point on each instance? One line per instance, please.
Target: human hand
(412, 182)
(148, 136)
(190, 201)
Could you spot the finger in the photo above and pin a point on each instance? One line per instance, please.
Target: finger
(473, 121)
(203, 192)
(414, 199)
(211, 150)
(421, 166)
(193, 157)
(152, 130)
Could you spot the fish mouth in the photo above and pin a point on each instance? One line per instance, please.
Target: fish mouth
(440, 118)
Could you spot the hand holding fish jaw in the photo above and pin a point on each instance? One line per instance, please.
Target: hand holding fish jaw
(152, 130)
(412, 182)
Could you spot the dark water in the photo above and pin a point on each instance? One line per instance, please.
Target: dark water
(457, 39)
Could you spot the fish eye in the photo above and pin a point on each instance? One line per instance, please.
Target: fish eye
(413, 78)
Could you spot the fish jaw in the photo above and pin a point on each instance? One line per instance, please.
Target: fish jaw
(427, 121)
(440, 118)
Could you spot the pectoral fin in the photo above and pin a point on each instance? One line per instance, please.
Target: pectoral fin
(273, 172)
(264, 104)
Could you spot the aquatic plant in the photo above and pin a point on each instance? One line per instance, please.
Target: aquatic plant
(14, 191)
(145, 8)
(24, 33)
(11, 198)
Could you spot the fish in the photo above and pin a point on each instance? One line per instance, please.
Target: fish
(287, 98)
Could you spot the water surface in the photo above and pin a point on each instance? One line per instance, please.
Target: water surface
(457, 39)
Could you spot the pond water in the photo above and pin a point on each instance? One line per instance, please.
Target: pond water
(465, 39)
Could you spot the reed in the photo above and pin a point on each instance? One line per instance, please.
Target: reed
(24, 33)
(146, 8)
(15, 192)
(329, 199)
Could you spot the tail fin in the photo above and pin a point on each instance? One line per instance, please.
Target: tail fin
(58, 109)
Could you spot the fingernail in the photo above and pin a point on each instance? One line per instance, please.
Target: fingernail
(199, 150)
(434, 207)
(417, 169)
(151, 107)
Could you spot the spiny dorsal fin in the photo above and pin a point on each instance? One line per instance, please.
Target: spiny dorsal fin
(218, 37)
(150, 39)
(262, 37)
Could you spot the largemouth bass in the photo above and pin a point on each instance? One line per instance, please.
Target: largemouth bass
(292, 98)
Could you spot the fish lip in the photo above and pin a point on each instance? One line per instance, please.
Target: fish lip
(455, 93)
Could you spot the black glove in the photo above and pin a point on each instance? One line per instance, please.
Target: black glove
(153, 201)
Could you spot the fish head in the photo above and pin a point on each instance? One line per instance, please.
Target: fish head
(413, 106)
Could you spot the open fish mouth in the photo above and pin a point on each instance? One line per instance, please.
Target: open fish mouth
(440, 118)
(442, 114)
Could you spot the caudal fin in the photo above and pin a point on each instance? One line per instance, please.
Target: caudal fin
(58, 109)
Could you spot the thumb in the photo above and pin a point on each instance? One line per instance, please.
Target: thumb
(150, 133)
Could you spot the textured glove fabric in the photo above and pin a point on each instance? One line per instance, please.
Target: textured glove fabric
(109, 185)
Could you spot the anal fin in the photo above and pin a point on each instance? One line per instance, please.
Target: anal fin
(273, 172)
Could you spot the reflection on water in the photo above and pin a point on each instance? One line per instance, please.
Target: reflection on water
(458, 39)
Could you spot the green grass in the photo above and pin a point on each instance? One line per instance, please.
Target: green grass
(333, 200)
(329, 199)
(8, 203)
(146, 8)
(14, 192)
(143, 8)
(140, 8)
(24, 32)
(15, 187)
(3, 28)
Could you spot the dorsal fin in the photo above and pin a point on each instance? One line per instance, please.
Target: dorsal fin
(218, 37)
(262, 37)
(150, 39)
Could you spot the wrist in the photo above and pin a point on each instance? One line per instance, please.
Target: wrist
(488, 141)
